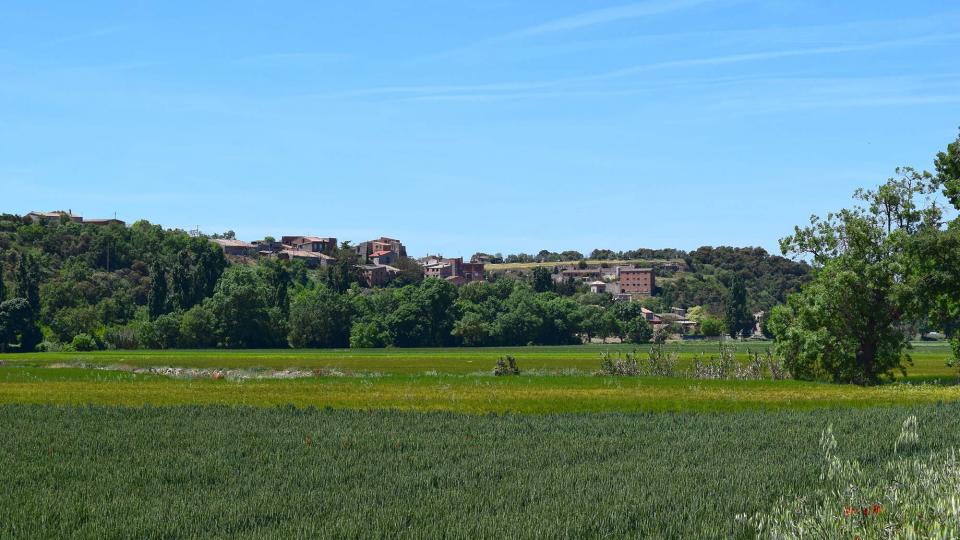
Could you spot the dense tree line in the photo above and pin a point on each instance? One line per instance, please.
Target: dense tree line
(81, 279)
(711, 272)
(640, 253)
(81, 286)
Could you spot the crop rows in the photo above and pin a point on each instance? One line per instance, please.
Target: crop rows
(99, 472)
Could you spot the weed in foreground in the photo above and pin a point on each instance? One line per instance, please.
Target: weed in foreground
(914, 497)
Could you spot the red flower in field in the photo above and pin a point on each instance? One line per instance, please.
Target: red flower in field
(866, 511)
(847, 511)
(877, 509)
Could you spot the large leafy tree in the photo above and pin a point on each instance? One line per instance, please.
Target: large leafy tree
(541, 279)
(242, 307)
(848, 324)
(936, 255)
(320, 318)
(18, 326)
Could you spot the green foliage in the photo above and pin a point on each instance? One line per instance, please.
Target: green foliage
(848, 323)
(28, 280)
(343, 271)
(947, 165)
(712, 326)
(241, 305)
(637, 330)
(88, 279)
(18, 326)
(198, 328)
(506, 365)
(737, 317)
(84, 342)
(121, 337)
(768, 279)
(541, 279)
(158, 290)
(320, 318)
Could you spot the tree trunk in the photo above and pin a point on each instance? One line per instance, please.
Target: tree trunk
(867, 354)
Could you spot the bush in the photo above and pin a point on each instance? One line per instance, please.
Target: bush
(84, 342)
(121, 337)
(367, 335)
(615, 365)
(711, 327)
(198, 328)
(638, 330)
(506, 365)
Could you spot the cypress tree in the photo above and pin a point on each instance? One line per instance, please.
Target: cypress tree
(158, 290)
(28, 288)
(28, 281)
(738, 318)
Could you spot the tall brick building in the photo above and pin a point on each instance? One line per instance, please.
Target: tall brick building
(636, 281)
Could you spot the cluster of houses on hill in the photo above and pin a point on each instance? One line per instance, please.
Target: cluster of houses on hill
(376, 256)
(56, 216)
(623, 282)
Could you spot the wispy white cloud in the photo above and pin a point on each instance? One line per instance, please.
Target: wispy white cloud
(574, 22)
(474, 92)
(608, 15)
(773, 55)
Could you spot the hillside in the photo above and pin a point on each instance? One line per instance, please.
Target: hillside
(697, 278)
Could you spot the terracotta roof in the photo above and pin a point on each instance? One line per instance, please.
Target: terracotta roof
(381, 252)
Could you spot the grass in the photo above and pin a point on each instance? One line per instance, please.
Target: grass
(554, 380)
(459, 393)
(929, 358)
(112, 472)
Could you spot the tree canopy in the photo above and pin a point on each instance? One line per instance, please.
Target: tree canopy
(880, 268)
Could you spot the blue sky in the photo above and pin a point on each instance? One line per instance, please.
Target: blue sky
(472, 126)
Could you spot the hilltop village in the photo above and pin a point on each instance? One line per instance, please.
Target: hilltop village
(382, 260)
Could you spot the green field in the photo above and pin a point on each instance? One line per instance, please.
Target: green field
(413, 443)
(459, 393)
(90, 472)
(554, 380)
(929, 358)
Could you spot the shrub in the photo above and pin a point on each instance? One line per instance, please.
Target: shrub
(121, 337)
(84, 342)
(506, 365)
(638, 330)
(617, 365)
(198, 328)
(711, 326)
